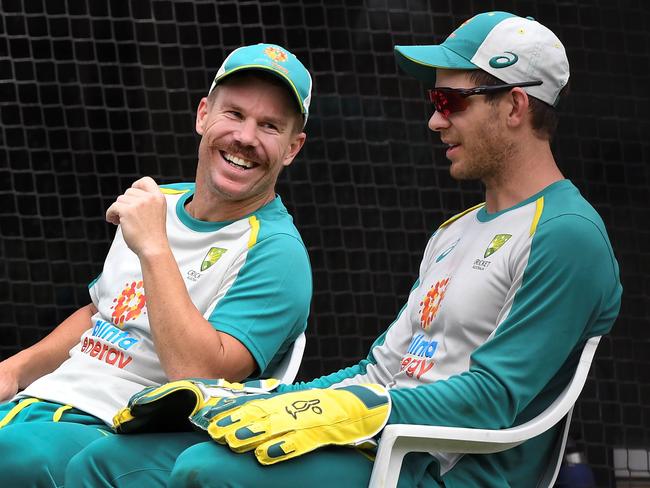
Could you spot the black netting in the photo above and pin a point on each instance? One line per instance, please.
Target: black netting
(95, 94)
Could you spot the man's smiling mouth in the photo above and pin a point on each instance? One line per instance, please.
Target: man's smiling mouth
(238, 162)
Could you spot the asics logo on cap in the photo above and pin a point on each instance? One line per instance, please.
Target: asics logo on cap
(503, 61)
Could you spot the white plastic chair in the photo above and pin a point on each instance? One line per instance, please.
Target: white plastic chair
(399, 439)
(287, 368)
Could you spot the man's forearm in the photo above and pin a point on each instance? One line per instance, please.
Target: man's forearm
(46, 355)
(186, 343)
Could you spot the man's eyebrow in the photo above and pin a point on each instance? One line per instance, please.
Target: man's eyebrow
(279, 122)
(231, 106)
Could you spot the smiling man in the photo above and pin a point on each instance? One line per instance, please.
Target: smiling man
(208, 279)
(507, 295)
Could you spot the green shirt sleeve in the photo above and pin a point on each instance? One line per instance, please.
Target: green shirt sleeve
(268, 305)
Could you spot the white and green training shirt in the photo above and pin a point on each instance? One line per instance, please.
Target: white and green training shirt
(250, 278)
(494, 326)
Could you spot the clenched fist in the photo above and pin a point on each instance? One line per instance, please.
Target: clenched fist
(141, 212)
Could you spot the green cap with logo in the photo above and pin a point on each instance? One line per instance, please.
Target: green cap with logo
(275, 60)
(513, 49)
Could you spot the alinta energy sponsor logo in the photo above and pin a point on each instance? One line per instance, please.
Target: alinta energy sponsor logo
(109, 344)
(430, 304)
(419, 356)
(129, 304)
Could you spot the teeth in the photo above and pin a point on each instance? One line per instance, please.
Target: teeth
(238, 161)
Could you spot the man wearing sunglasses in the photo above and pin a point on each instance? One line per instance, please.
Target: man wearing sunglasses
(508, 293)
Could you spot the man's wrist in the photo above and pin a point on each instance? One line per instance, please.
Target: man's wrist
(154, 253)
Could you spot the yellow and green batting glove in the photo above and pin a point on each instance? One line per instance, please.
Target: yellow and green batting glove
(167, 408)
(286, 425)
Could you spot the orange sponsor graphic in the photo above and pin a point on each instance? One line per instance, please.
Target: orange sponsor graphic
(276, 54)
(129, 304)
(430, 305)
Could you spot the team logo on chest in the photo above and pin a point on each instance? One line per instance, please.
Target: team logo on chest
(495, 244)
(430, 304)
(212, 257)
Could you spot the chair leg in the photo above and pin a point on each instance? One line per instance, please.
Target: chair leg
(388, 464)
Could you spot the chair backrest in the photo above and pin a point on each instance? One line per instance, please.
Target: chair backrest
(555, 462)
(563, 404)
(399, 439)
(287, 368)
(578, 381)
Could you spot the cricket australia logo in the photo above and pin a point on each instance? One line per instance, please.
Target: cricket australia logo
(302, 406)
(276, 54)
(212, 257)
(496, 243)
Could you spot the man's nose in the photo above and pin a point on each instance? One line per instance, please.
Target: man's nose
(246, 134)
(437, 122)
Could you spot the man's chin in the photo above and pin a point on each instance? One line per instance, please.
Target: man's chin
(456, 171)
(460, 174)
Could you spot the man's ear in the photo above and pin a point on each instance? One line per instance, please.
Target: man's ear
(202, 115)
(518, 107)
(295, 145)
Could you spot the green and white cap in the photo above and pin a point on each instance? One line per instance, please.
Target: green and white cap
(514, 49)
(276, 60)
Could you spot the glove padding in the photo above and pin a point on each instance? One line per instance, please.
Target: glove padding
(284, 426)
(167, 408)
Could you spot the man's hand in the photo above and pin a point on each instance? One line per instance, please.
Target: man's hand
(141, 212)
(20, 370)
(287, 425)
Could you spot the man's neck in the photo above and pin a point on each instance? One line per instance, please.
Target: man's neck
(531, 169)
(209, 208)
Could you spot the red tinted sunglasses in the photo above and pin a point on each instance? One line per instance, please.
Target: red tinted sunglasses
(449, 100)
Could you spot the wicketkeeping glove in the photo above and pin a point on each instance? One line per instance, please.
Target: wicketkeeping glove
(167, 408)
(284, 426)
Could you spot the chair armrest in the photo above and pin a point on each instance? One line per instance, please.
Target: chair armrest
(399, 439)
(425, 438)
